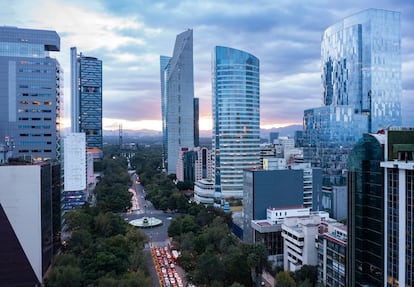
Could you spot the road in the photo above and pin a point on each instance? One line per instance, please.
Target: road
(158, 235)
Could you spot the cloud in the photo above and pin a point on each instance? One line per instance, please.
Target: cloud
(129, 35)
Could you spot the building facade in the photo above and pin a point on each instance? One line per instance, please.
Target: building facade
(299, 235)
(177, 99)
(361, 79)
(86, 98)
(31, 92)
(194, 164)
(236, 119)
(265, 188)
(365, 213)
(331, 244)
(26, 220)
(398, 169)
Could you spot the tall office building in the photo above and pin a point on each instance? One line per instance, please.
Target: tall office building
(365, 255)
(86, 98)
(398, 233)
(236, 119)
(361, 79)
(164, 67)
(177, 99)
(380, 208)
(30, 92)
(26, 222)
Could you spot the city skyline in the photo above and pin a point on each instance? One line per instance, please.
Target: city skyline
(129, 38)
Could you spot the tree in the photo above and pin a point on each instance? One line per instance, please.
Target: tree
(283, 279)
(257, 261)
(64, 276)
(307, 272)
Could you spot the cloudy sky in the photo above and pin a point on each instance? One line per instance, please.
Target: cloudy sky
(130, 35)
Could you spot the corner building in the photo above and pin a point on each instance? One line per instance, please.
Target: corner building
(361, 80)
(30, 92)
(236, 119)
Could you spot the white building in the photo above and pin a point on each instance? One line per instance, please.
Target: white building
(299, 235)
(75, 161)
(204, 191)
(398, 168)
(25, 217)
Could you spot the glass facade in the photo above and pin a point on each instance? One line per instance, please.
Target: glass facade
(31, 92)
(361, 80)
(399, 207)
(87, 98)
(177, 99)
(164, 67)
(236, 118)
(365, 213)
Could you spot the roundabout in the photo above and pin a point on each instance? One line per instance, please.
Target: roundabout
(146, 222)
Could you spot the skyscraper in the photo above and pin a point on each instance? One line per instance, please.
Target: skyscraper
(236, 119)
(30, 92)
(86, 98)
(164, 61)
(380, 209)
(365, 255)
(398, 233)
(177, 99)
(361, 79)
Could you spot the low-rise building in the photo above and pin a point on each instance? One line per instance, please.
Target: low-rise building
(331, 246)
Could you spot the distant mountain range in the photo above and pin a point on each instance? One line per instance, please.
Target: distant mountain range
(155, 135)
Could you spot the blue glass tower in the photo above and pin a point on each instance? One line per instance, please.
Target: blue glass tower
(361, 79)
(236, 118)
(86, 97)
(177, 99)
(30, 92)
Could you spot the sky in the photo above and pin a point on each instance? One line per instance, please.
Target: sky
(130, 35)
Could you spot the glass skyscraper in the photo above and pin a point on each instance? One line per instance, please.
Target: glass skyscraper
(30, 92)
(177, 99)
(236, 119)
(86, 96)
(361, 79)
(164, 60)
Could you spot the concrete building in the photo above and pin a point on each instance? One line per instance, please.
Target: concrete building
(331, 244)
(380, 192)
(204, 191)
(269, 231)
(30, 92)
(236, 119)
(86, 98)
(269, 188)
(177, 99)
(334, 200)
(26, 222)
(75, 167)
(398, 236)
(299, 235)
(361, 79)
(194, 164)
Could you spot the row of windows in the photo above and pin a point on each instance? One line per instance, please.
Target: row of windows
(33, 127)
(34, 87)
(33, 111)
(35, 71)
(34, 119)
(35, 95)
(34, 135)
(47, 103)
(34, 150)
